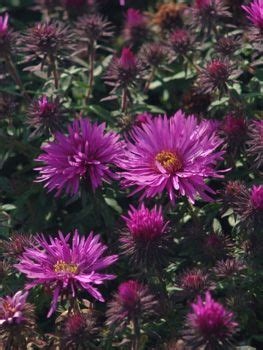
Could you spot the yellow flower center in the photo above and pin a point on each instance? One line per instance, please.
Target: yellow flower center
(169, 161)
(62, 266)
(8, 307)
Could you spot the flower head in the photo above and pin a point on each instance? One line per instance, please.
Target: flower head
(16, 245)
(133, 300)
(234, 128)
(255, 143)
(175, 154)
(16, 320)
(7, 37)
(257, 198)
(145, 240)
(3, 25)
(226, 46)
(231, 191)
(86, 153)
(153, 54)
(205, 13)
(255, 13)
(67, 266)
(79, 328)
(228, 268)
(45, 43)
(135, 28)
(46, 115)
(194, 281)
(170, 16)
(11, 308)
(124, 71)
(248, 204)
(180, 41)
(210, 324)
(93, 28)
(215, 76)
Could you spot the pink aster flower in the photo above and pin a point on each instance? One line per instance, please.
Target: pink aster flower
(86, 153)
(210, 324)
(175, 155)
(255, 13)
(67, 267)
(17, 321)
(11, 308)
(257, 197)
(135, 29)
(3, 25)
(133, 301)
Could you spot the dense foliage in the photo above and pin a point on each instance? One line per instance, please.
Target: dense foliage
(131, 160)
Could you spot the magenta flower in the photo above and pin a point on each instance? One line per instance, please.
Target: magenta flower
(255, 143)
(144, 223)
(210, 324)
(7, 37)
(175, 154)
(17, 321)
(255, 13)
(257, 197)
(3, 25)
(86, 153)
(67, 267)
(135, 29)
(11, 308)
(145, 240)
(133, 301)
(46, 115)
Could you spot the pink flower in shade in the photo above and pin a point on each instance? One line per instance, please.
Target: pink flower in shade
(201, 4)
(127, 60)
(86, 153)
(145, 240)
(133, 301)
(255, 13)
(67, 267)
(135, 28)
(134, 17)
(210, 324)
(175, 155)
(257, 197)
(255, 143)
(234, 129)
(11, 308)
(3, 25)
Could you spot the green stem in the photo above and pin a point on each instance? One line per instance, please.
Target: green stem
(124, 101)
(54, 69)
(14, 74)
(136, 334)
(91, 72)
(148, 82)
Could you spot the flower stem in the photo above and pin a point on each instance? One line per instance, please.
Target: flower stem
(136, 334)
(54, 71)
(91, 72)
(14, 74)
(196, 67)
(148, 82)
(124, 100)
